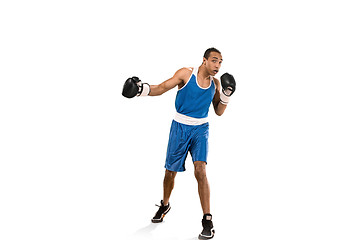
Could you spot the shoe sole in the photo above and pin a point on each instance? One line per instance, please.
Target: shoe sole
(202, 237)
(162, 217)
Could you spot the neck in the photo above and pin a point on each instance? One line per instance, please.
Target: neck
(203, 72)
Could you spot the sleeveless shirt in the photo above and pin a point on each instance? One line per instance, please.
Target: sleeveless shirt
(193, 100)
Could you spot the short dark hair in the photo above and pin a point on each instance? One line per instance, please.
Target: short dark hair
(210, 50)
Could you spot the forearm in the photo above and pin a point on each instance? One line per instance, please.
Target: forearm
(163, 87)
(156, 90)
(219, 108)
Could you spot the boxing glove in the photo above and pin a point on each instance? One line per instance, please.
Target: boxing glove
(228, 87)
(134, 87)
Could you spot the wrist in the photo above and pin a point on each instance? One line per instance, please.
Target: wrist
(224, 99)
(144, 90)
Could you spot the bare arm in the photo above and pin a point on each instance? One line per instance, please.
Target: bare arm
(178, 79)
(218, 106)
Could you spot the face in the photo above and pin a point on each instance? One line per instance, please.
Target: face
(213, 63)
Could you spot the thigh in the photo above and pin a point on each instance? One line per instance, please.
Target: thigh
(178, 147)
(199, 143)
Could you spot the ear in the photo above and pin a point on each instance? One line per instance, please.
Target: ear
(204, 60)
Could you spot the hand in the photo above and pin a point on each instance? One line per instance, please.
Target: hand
(228, 87)
(134, 87)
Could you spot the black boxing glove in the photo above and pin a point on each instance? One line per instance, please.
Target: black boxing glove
(228, 87)
(134, 87)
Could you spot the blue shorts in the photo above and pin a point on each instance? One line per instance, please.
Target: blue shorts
(183, 139)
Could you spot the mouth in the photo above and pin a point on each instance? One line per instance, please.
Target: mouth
(215, 71)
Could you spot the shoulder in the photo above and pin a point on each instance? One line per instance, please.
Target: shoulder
(217, 83)
(183, 73)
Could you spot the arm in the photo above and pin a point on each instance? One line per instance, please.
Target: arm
(218, 106)
(134, 87)
(178, 79)
(223, 92)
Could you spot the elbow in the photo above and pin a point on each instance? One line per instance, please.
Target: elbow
(219, 113)
(220, 109)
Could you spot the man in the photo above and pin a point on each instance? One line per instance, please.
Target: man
(197, 88)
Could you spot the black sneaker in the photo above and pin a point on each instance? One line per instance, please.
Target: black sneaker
(160, 214)
(208, 228)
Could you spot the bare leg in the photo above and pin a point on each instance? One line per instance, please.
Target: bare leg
(169, 181)
(203, 185)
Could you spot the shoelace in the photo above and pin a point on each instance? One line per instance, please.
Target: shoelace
(161, 205)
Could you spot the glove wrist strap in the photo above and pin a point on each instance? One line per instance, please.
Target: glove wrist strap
(224, 99)
(145, 90)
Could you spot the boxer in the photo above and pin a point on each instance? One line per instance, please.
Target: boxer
(197, 89)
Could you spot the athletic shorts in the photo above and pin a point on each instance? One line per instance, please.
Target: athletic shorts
(183, 139)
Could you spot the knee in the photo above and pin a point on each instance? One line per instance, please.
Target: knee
(170, 175)
(200, 173)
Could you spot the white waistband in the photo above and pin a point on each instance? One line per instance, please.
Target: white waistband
(181, 118)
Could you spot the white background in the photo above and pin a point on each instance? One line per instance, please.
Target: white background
(79, 161)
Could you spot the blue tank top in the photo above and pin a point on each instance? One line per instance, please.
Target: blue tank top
(193, 100)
